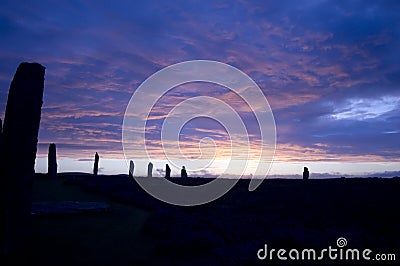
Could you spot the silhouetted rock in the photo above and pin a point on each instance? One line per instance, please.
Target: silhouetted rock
(183, 172)
(167, 171)
(52, 161)
(306, 173)
(150, 170)
(131, 168)
(96, 164)
(20, 136)
(1, 137)
(1, 128)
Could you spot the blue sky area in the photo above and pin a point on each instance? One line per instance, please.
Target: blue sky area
(329, 69)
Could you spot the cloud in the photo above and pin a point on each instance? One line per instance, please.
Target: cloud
(85, 160)
(361, 109)
(329, 70)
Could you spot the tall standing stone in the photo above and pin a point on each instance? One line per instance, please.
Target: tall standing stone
(150, 170)
(20, 137)
(96, 164)
(306, 173)
(131, 168)
(52, 161)
(1, 138)
(167, 171)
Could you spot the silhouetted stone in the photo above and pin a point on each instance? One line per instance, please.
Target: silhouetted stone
(20, 136)
(150, 170)
(183, 172)
(1, 137)
(306, 173)
(52, 161)
(167, 171)
(96, 164)
(1, 129)
(131, 168)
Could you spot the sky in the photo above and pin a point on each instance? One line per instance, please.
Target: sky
(329, 70)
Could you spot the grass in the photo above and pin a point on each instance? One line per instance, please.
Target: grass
(112, 238)
(140, 230)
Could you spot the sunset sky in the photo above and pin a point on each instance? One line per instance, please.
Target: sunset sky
(329, 69)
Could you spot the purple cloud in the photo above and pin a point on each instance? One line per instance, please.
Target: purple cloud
(329, 69)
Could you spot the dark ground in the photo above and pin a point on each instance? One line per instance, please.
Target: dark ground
(140, 230)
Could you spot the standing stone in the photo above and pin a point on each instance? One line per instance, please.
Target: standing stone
(52, 161)
(1, 134)
(183, 172)
(1, 137)
(167, 171)
(131, 168)
(96, 164)
(20, 137)
(150, 170)
(306, 174)
(2, 200)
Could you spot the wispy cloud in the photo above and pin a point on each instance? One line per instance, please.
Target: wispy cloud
(328, 69)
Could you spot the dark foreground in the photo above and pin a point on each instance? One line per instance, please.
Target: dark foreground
(286, 214)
